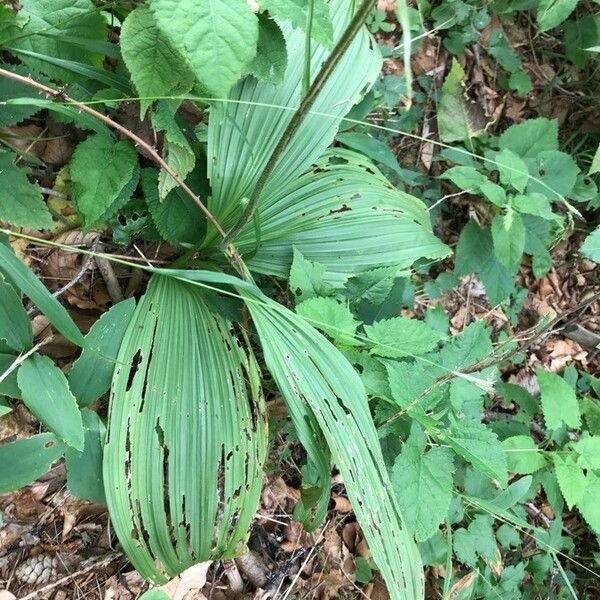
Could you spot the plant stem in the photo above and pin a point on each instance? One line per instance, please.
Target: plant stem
(305, 105)
(307, 48)
(230, 251)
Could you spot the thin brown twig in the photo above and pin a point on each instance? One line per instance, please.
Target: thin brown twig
(230, 251)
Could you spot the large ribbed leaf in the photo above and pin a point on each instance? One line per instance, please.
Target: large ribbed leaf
(186, 435)
(312, 372)
(343, 214)
(244, 132)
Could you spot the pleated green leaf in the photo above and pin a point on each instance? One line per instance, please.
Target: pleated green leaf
(345, 215)
(311, 372)
(186, 434)
(244, 131)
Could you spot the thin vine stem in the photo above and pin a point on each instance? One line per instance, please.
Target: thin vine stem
(299, 115)
(55, 94)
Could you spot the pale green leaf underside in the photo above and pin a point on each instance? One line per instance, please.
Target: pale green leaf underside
(186, 420)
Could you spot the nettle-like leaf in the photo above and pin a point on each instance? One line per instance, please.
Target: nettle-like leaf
(186, 436)
(21, 202)
(156, 67)
(51, 24)
(313, 375)
(102, 170)
(559, 401)
(217, 39)
(270, 61)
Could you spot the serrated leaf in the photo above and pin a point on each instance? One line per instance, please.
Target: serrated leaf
(23, 278)
(92, 372)
(559, 402)
(15, 327)
(373, 286)
(513, 170)
(271, 58)
(531, 137)
(477, 540)
(400, 336)
(306, 278)
(591, 245)
(466, 178)
(480, 446)
(552, 13)
(457, 120)
(101, 168)
(10, 89)
(588, 506)
(21, 202)
(571, 480)
(48, 22)
(332, 317)
(309, 371)
(522, 455)
(588, 448)
(296, 12)
(217, 39)
(554, 174)
(46, 393)
(508, 235)
(23, 461)
(84, 469)
(423, 485)
(180, 376)
(533, 204)
(155, 66)
(595, 166)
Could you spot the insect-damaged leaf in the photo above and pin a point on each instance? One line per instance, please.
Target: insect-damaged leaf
(186, 436)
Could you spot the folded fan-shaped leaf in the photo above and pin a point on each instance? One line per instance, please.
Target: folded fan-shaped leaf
(343, 214)
(186, 436)
(311, 371)
(244, 131)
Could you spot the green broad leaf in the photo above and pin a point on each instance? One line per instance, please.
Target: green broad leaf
(181, 375)
(24, 279)
(591, 245)
(296, 12)
(508, 235)
(437, 318)
(271, 58)
(477, 540)
(315, 379)
(475, 254)
(324, 214)
(493, 192)
(588, 449)
(423, 484)
(588, 506)
(479, 446)
(531, 137)
(216, 39)
(508, 536)
(23, 461)
(595, 166)
(176, 149)
(243, 132)
(92, 372)
(377, 150)
(9, 89)
(554, 174)
(47, 21)
(332, 317)
(373, 286)
(533, 204)
(399, 337)
(101, 168)
(15, 327)
(500, 48)
(407, 381)
(156, 67)
(177, 218)
(513, 170)
(552, 13)
(457, 121)
(522, 455)
(155, 594)
(463, 350)
(559, 402)
(466, 178)
(520, 82)
(306, 278)
(8, 386)
(571, 479)
(84, 469)
(46, 393)
(21, 202)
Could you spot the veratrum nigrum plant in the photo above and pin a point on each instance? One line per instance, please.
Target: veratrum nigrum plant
(187, 432)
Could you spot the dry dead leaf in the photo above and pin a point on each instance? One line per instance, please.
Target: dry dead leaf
(187, 586)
